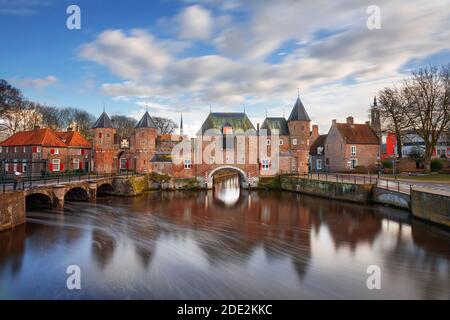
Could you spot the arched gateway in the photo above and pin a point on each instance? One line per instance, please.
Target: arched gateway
(243, 176)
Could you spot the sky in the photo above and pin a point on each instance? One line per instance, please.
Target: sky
(190, 57)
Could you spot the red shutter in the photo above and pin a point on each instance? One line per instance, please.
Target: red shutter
(50, 166)
(52, 151)
(126, 164)
(82, 151)
(34, 149)
(61, 167)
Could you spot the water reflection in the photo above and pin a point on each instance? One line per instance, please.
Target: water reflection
(270, 245)
(227, 189)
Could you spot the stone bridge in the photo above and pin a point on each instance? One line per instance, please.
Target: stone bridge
(54, 196)
(14, 204)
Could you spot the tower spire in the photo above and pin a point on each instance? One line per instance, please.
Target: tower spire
(375, 101)
(181, 124)
(298, 93)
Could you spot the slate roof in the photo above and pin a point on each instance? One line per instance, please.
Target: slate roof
(298, 112)
(103, 122)
(73, 139)
(146, 121)
(38, 137)
(320, 142)
(217, 120)
(358, 133)
(276, 123)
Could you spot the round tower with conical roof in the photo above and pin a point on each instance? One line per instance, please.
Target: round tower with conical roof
(299, 131)
(103, 142)
(145, 143)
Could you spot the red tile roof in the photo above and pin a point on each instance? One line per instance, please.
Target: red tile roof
(46, 138)
(37, 137)
(73, 139)
(358, 133)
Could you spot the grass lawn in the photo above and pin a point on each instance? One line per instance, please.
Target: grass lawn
(442, 177)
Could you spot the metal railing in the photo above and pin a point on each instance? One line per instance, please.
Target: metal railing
(23, 183)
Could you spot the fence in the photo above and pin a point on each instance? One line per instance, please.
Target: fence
(22, 183)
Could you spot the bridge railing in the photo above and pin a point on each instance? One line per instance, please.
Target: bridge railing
(23, 183)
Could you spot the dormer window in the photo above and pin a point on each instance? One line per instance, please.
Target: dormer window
(227, 130)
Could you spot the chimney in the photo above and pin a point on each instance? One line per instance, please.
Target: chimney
(333, 122)
(314, 134)
(368, 123)
(349, 120)
(37, 127)
(69, 129)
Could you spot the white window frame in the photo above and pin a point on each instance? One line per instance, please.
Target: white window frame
(56, 151)
(79, 152)
(353, 150)
(15, 166)
(15, 149)
(6, 167)
(76, 161)
(56, 162)
(265, 164)
(187, 164)
(38, 149)
(24, 150)
(24, 165)
(319, 164)
(294, 142)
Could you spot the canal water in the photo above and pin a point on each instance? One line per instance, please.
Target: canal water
(224, 244)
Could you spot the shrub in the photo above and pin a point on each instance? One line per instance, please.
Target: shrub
(436, 166)
(387, 164)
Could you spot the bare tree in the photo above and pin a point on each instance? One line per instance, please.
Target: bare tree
(427, 96)
(393, 114)
(164, 126)
(124, 125)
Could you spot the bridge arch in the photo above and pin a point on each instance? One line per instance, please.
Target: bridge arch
(76, 194)
(242, 175)
(105, 188)
(38, 200)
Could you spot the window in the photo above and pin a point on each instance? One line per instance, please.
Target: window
(15, 149)
(79, 152)
(319, 150)
(353, 163)
(268, 142)
(227, 130)
(294, 142)
(56, 165)
(187, 164)
(353, 150)
(54, 151)
(123, 164)
(281, 142)
(76, 164)
(100, 135)
(15, 166)
(319, 164)
(1, 149)
(38, 149)
(6, 167)
(24, 166)
(24, 150)
(265, 164)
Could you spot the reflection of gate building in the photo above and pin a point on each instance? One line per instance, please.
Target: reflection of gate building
(147, 151)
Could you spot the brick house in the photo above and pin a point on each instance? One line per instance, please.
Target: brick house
(317, 154)
(45, 151)
(349, 146)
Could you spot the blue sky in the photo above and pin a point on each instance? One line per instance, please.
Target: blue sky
(187, 56)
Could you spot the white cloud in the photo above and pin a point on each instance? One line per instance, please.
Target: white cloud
(36, 83)
(195, 22)
(337, 73)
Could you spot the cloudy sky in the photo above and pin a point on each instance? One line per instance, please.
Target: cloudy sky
(189, 56)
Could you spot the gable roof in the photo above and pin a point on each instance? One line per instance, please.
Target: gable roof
(319, 142)
(298, 112)
(217, 120)
(146, 121)
(358, 133)
(103, 122)
(276, 123)
(38, 137)
(73, 139)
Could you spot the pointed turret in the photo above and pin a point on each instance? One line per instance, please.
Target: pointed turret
(298, 112)
(146, 121)
(103, 122)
